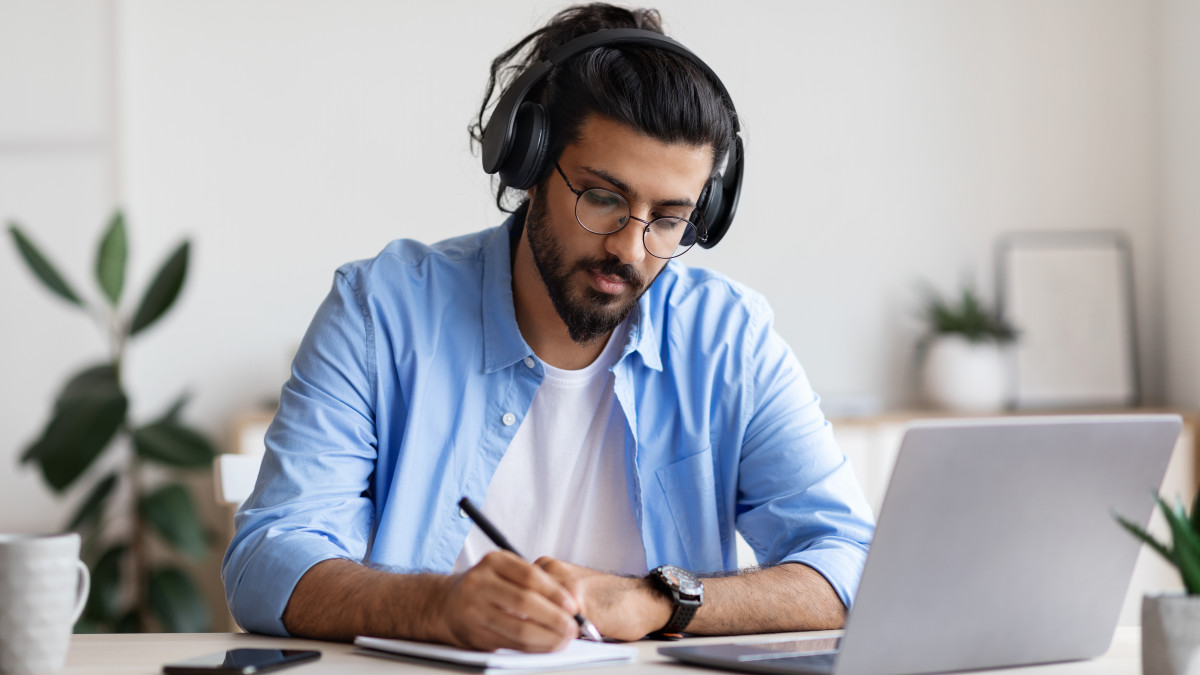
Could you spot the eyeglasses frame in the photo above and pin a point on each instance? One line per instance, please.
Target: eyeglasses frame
(579, 195)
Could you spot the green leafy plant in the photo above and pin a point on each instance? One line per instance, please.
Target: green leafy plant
(968, 317)
(133, 590)
(1184, 551)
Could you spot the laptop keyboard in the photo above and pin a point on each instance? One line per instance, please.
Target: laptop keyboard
(777, 649)
(809, 663)
(807, 656)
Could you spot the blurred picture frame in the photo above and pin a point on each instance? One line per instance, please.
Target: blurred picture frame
(1070, 297)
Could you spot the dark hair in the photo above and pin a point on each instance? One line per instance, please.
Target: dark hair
(659, 93)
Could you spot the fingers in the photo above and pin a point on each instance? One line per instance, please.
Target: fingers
(534, 578)
(503, 630)
(505, 602)
(620, 607)
(568, 576)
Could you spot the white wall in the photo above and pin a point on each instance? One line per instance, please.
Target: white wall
(887, 143)
(57, 181)
(897, 140)
(1181, 198)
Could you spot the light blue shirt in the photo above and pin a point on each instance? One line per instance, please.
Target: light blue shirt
(413, 379)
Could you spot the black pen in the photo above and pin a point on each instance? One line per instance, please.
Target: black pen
(586, 627)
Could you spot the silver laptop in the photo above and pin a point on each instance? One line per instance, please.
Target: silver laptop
(996, 546)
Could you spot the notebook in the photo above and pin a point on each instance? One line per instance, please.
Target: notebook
(579, 653)
(996, 546)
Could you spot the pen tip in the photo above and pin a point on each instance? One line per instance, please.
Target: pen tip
(589, 631)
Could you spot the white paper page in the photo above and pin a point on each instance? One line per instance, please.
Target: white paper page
(577, 652)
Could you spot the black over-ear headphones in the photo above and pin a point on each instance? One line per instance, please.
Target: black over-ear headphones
(517, 136)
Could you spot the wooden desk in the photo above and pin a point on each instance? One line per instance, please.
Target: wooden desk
(144, 654)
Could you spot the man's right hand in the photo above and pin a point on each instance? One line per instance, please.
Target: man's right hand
(501, 602)
(506, 602)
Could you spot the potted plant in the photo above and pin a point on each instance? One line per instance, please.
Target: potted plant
(1171, 621)
(128, 511)
(965, 366)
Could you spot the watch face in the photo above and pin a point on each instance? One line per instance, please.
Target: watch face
(685, 581)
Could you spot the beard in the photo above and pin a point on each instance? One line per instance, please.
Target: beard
(588, 314)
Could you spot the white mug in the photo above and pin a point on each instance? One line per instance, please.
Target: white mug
(43, 589)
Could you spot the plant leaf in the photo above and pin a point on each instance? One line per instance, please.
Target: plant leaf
(1186, 550)
(92, 507)
(967, 316)
(1146, 538)
(1195, 518)
(87, 626)
(177, 603)
(162, 291)
(172, 413)
(170, 512)
(42, 268)
(87, 414)
(110, 259)
(104, 600)
(173, 444)
(130, 623)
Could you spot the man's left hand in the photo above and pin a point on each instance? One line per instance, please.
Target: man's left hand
(622, 608)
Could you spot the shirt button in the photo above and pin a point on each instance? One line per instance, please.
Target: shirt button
(461, 513)
(509, 419)
(528, 361)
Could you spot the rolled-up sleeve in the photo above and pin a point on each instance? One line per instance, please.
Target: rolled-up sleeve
(799, 500)
(310, 503)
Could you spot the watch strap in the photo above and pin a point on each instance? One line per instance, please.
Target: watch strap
(685, 605)
(684, 611)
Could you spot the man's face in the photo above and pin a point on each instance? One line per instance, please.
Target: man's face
(594, 280)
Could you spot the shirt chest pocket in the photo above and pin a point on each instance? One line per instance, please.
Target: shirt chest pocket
(689, 488)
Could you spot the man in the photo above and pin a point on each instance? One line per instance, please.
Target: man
(612, 410)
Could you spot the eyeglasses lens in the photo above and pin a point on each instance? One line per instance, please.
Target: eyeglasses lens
(604, 212)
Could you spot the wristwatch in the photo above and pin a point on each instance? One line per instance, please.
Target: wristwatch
(685, 591)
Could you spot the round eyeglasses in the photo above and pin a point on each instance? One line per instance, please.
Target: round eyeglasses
(601, 211)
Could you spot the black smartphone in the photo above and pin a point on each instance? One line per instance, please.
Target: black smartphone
(240, 661)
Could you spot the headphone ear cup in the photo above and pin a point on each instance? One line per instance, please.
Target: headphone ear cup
(724, 193)
(708, 214)
(526, 161)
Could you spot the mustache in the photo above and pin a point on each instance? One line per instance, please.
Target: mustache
(612, 267)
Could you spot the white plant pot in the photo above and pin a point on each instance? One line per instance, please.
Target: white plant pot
(1171, 634)
(966, 376)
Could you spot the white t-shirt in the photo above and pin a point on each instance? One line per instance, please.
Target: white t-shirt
(561, 488)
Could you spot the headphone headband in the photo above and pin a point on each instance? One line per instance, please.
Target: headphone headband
(515, 139)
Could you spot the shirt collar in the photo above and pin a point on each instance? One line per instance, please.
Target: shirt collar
(503, 344)
(502, 341)
(643, 338)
